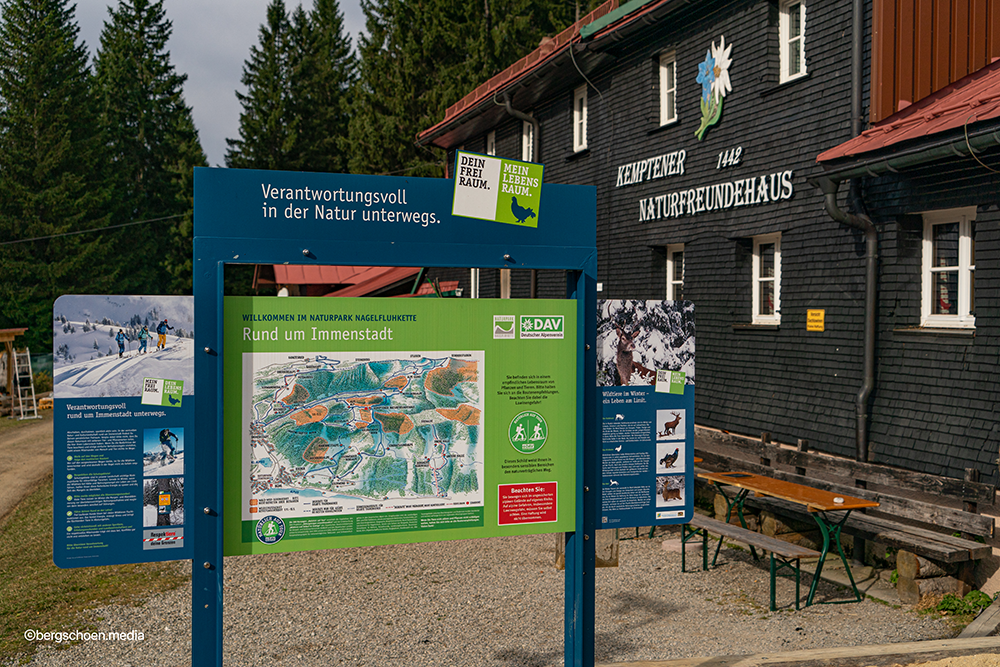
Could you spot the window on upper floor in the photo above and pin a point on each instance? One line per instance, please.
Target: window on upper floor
(767, 279)
(527, 141)
(580, 119)
(668, 88)
(675, 272)
(792, 38)
(491, 142)
(949, 269)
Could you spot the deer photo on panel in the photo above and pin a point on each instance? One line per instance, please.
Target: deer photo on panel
(637, 338)
(669, 491)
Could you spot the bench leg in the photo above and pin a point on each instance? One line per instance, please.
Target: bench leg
(731, 503)
(773, 583)
(831, 534)
(798, 576)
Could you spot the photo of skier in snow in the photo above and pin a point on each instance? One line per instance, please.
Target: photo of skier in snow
(120, 339)
(162, 329)
(166, 446)
(143, 338)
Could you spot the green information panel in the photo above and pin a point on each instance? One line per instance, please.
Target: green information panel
(352, 422)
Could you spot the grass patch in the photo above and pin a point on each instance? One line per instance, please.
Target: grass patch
(6, 423)
(36, 594)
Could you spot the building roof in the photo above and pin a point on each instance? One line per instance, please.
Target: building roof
(531, 63)
(305, 274)
(374, 279)
(961, 105)
(557, 63)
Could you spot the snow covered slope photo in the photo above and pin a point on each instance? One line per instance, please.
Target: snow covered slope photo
(85, 353)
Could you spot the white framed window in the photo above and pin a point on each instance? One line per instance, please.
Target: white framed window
(948, 292)
(580, 119)
(792, 38)
(491, 142)
(675, 272)
(527, 141)
(668, 88)
(767, 279)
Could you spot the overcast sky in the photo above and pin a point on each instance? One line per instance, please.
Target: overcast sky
(210, 42)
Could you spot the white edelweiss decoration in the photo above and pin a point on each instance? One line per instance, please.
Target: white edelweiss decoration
(720, 54)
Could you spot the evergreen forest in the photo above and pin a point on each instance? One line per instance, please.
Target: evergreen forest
(97, 153)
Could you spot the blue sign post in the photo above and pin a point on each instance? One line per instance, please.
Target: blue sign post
(267, 217)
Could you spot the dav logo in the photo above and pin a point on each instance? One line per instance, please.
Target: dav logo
(543, 326)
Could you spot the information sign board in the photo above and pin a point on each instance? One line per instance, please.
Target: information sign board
(123, 413)
(377, 421)
(646, 378)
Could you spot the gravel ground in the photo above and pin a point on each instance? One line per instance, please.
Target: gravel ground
(489, 602)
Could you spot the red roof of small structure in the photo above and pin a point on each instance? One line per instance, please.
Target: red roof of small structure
(304, 274)
(973, 98)
(374, 279)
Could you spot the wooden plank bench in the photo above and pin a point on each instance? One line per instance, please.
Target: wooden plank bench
(922, 524)
(783, 554)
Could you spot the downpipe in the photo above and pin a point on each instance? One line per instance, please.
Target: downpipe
(535, 140)
(864, 223)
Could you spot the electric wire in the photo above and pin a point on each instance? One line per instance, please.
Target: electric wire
(97, 229)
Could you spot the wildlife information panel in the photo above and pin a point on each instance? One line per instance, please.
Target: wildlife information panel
(645, 371)
(123, 424)
(353, 422)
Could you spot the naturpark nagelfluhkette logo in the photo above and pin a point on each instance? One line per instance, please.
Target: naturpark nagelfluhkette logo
(503, 326)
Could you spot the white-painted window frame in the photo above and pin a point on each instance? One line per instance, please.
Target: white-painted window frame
(580, 119)
(672, 282)
(758, 241)
(787, 41)
(527, 141)
(668, 88)
(965, 318)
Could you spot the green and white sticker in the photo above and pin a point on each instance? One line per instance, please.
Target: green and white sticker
(162, 392)
(497, 189)
(670, 382)
(528, 432)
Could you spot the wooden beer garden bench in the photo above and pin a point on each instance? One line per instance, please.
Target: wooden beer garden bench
(941, 524)
(783, 554)
(829, 510)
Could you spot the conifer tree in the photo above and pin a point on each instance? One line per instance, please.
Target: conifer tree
(268, 128)
(322, 71)
(298, 79)
(153, 142)
(50, 175)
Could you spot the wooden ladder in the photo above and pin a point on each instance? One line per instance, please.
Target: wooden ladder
(24, 386)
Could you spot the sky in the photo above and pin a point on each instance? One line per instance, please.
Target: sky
(210, 42)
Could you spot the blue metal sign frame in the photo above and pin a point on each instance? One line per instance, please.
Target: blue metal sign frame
(272, 217)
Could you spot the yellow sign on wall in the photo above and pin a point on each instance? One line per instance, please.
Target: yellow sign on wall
(815, 320)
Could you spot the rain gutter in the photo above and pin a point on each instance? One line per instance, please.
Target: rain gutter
(589, 30)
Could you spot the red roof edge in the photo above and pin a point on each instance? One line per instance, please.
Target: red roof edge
(545, 52)
(973, 98)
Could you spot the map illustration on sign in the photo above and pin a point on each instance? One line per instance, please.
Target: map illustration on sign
(343, 433)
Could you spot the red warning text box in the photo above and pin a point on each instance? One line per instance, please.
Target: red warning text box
(527, 503)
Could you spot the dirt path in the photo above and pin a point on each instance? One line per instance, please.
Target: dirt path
(25, 458)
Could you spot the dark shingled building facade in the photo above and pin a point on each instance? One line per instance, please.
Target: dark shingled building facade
(700, 125)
